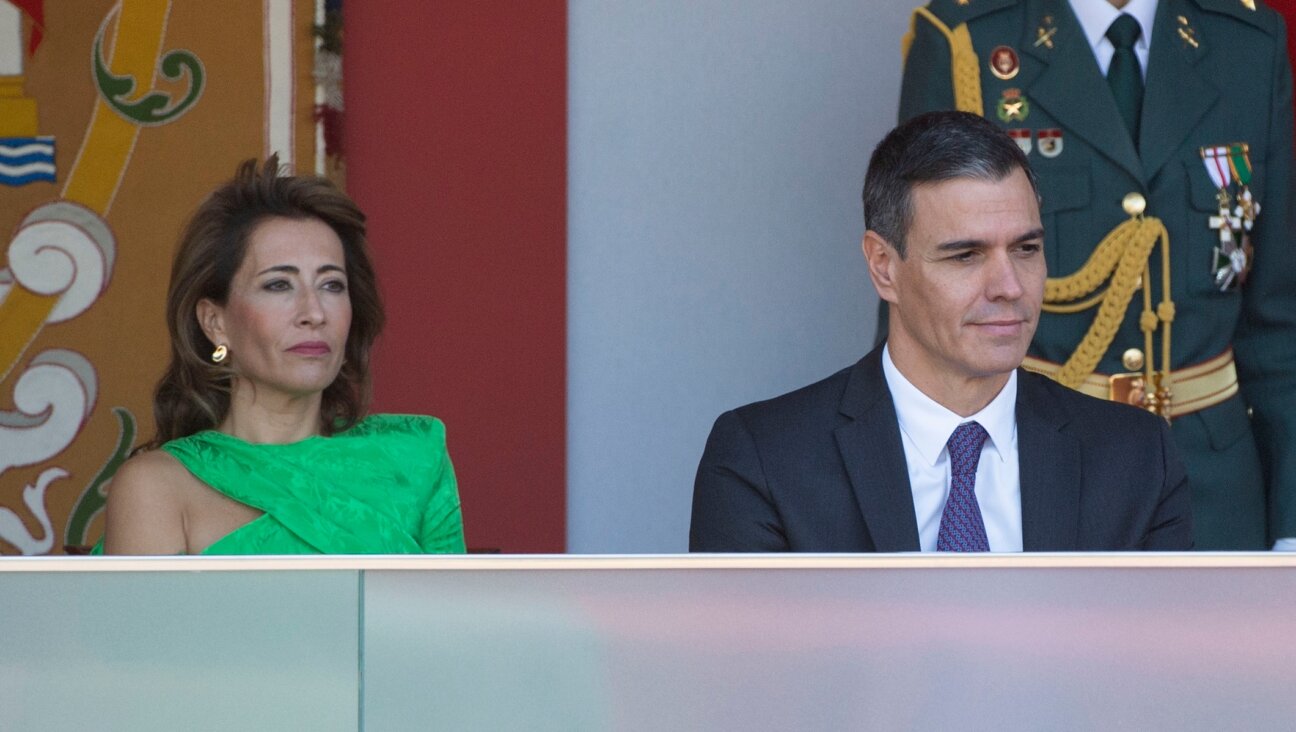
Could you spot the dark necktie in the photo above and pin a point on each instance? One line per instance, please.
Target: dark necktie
(961, 527)
(1125, 76)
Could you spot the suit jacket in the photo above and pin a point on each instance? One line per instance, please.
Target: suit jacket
(1217, 73)
(822, 469)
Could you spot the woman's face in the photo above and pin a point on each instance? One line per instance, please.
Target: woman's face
(288, 313)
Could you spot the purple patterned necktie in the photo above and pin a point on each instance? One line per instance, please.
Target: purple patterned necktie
(961, 527)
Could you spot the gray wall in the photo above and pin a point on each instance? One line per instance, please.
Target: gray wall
(716, 155)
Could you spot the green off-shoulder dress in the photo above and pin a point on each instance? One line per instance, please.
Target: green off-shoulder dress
(385, 486)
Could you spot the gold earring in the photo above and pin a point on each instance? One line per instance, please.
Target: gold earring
(220, 353)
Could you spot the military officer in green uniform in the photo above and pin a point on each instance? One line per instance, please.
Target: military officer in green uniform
(1161, 133)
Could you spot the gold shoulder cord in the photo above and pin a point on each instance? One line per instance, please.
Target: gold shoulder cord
(963, 60)
(1122, 257)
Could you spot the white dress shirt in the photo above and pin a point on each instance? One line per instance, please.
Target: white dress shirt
(926, 426)
(1096, 17)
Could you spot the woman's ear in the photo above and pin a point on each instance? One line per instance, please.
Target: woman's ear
(882, 259)
(211, 318)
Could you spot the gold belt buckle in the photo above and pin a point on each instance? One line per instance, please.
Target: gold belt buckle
(1127, 389)
(1133, 388)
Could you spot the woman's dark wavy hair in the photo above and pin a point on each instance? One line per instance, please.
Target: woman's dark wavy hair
(194, 393)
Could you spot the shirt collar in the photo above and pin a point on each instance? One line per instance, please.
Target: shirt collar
(1096, 17)
(928, 425)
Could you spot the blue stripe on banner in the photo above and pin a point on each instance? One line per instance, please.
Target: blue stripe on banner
(19, 180)
(14, 170)
(16, 160)
(34, 147)
(40, 139)
(18, 150)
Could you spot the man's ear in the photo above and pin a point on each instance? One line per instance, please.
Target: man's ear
(882, 259)
(211, 318)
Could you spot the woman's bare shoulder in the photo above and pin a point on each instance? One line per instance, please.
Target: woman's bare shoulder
(152, 471)
(146, 504)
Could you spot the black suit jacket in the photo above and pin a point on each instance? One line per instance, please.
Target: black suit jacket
(822, 469)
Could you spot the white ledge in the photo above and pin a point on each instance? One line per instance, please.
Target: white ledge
(570, 562)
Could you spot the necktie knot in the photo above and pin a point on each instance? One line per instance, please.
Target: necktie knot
(965, 447)
(1124, 31)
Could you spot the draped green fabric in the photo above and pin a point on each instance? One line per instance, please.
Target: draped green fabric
(385, 486)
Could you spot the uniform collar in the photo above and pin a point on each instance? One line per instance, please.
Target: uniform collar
(928, 425)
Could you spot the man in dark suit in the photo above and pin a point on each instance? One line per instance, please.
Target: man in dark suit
(937, 440)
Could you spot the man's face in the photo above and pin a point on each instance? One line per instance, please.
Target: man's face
(966, 297)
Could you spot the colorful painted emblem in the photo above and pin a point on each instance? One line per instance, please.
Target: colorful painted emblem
(1013, 107)
(1022, 138)
(1050, 142)
(1229, 168)
(26, 156)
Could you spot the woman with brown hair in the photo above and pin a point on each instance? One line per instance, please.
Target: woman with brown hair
(263, 445)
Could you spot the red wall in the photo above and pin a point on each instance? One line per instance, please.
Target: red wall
(455, 135)
(1288, 9)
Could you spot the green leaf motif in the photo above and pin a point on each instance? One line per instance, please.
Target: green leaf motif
(94, 498)
(154, 108)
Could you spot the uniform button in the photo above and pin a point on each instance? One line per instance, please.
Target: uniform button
(1134, 203)
(1132, 359)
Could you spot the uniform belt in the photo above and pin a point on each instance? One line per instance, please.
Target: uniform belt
(1193, 388)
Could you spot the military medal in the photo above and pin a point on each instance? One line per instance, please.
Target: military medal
(1013, 107)
(1050, 142)
(1239, 162)
(1004, 63)
(1231, 260)
(1022, 138)
(1245, 209)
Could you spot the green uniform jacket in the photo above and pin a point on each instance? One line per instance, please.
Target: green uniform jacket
(1234, 85)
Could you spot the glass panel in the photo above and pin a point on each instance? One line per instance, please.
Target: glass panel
(179, 650)
(895, 648)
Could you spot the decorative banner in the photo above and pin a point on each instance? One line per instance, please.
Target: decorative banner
(116, 119)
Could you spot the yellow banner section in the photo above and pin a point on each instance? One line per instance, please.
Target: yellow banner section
(108, 143)
(17, 112)
(22, 313)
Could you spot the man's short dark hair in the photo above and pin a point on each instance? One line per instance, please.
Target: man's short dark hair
(930, 148)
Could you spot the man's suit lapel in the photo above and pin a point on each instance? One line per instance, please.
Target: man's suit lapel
(1177, 95)
(1049, 461)
(1071, 88)
(874, 457)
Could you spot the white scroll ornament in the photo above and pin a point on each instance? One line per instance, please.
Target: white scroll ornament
(63, 249)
